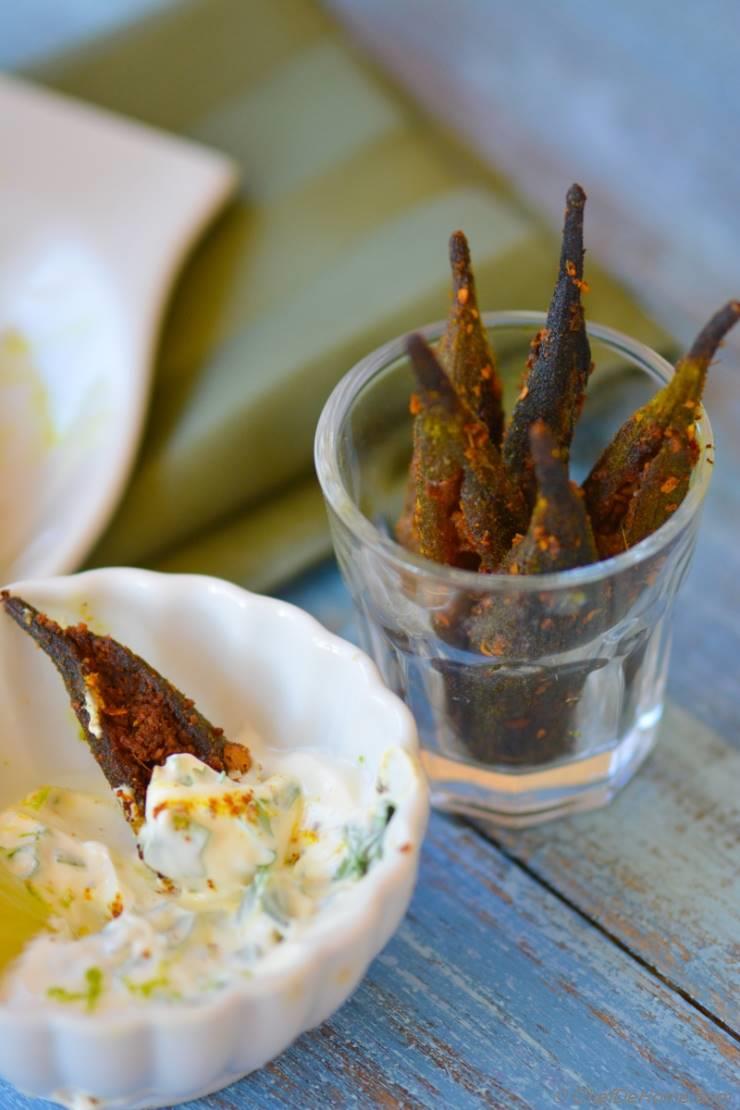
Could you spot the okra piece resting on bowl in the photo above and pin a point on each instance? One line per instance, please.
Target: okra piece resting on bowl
(225, 854)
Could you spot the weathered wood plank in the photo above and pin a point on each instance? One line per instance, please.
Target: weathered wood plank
(495, 993)
(660, 868)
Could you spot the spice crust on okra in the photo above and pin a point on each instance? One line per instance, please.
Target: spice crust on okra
(131, 716)
(475, 491)
(497, 498)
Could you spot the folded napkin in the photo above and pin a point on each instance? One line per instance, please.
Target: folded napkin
(336, 243)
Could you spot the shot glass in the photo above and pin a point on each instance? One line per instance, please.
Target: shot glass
(561, 717)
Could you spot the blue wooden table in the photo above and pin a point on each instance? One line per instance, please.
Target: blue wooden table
(592, 961)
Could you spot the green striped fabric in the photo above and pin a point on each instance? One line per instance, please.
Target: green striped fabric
(336, 243)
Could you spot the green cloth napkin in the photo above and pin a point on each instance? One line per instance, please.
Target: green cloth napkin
(336, 243)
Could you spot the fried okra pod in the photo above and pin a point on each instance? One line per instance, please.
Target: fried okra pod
(644, 473)
(465, 351)
(131, 716)
(466, 507)
(558, 370)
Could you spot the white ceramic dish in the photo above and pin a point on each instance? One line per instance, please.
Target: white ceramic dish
(248, 661)
(96, 215)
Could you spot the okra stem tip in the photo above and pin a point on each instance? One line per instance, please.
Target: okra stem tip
(459, 250)
(704, 347)
(575, 197)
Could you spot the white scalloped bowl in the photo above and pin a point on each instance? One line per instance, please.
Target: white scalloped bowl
(248, 661)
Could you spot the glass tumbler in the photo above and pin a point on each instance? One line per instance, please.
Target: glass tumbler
(558, 713)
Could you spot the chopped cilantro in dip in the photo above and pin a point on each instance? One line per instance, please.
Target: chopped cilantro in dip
(90, 995)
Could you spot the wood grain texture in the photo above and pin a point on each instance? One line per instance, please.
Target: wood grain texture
(659, 870)
(494, 993)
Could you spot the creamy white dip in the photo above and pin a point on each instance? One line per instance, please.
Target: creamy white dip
(224, 871)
